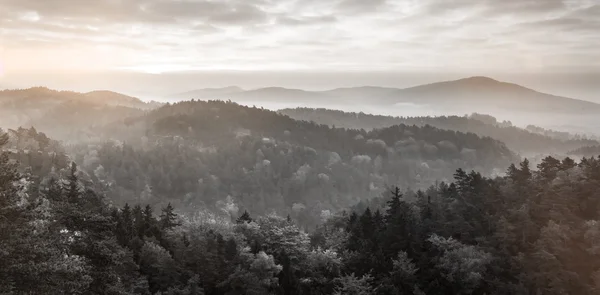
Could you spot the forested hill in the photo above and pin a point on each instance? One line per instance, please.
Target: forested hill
(586, 151)
(35, 152)
(529, 232)
(222, 155)
(517, 139)
(66, 115)
(213, 122)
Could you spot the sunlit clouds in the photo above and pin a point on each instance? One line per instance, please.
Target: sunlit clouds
(157, 36)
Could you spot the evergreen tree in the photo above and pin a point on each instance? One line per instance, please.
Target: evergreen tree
(399, 230)
(150, 227)
(124, 229)
(168, 218)
(245, 217)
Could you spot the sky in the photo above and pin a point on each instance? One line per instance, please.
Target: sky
(44, 38)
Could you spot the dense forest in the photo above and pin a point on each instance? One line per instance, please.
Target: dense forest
(212, 197)
(586, 151)
(528, 232)
(530, 141)
(208, 154)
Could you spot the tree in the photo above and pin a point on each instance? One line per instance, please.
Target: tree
(400, 227)
(159, 267)
(403, 274)
(255, 275)
(525, 171)
(149, 228)
(245, 217)
(168, 218)
(352, 285)
(548, 168)
(29, 248)
(462, 265)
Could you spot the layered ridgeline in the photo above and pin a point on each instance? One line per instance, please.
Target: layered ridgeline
(513, 102)
(199, 154)
(586, 151)
(474, 94)
(533, 140)
(66, 115)
(470, 93)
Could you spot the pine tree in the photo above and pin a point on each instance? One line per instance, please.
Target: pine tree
(245, 217)
(168, 218)
(72, 189)
(149, 222)
(398, 235)
(513, 172)
(124, 229)
(138, 221)
(525, 171)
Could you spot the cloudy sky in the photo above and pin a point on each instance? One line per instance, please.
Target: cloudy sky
(166, 36)
(176, 35)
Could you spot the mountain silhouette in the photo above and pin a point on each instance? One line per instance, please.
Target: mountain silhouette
(486, 92)
(362, 91)
(115, 98)
(206, 93)
(479, 93)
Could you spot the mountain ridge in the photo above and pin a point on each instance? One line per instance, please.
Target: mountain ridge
(478, 90)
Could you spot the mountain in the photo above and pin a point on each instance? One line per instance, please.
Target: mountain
(195, 153)
(586, 151)
(280, 94)
(521, 140)
(474, 94)
(43, 95)
(361, 92)
(477, 92)
(267, 94)
(206, 93)
(116, 99)
(66, 115)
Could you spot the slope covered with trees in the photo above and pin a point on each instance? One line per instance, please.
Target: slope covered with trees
(531, 141)
(586, 151)
(66, 115)
(219, 154)
(529, 232)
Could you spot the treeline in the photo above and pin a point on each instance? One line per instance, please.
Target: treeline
(36, 153)
(202, 154)
(526, 141)
(586, 151)
(530, 232)
(562, 135)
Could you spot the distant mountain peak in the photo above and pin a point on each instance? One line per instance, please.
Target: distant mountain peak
(207, 92)
(277, 88)
(479, 80)
(227, 88)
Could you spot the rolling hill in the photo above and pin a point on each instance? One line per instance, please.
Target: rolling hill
(206, 93)
(520, 140)
(118, 99)
(267, 94)
(474, 94)
(66, 115)
(486, 92)
(195, 153)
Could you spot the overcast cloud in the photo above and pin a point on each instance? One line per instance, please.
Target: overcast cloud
(350, 35)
